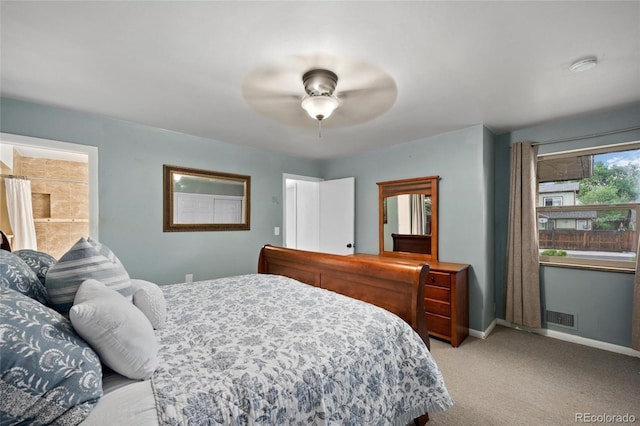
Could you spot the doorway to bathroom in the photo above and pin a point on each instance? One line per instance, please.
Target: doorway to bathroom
(62, 201)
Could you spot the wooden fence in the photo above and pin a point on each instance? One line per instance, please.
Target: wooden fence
(571, 239)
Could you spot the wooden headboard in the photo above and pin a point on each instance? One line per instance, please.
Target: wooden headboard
(412, 243)
(395, 286)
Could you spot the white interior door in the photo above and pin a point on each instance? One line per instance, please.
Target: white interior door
(319, 215)
(290, 216)
(337, 216)
(306, 223)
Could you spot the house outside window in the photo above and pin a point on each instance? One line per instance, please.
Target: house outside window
(588, 202)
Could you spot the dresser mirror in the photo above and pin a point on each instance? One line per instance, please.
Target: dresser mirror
(203, 200)
(408, 218)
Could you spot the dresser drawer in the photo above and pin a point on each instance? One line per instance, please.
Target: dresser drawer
(437, 293)
(439, 325)
(439, 279)
(437, 307)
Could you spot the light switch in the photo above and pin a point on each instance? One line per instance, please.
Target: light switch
(276, 230)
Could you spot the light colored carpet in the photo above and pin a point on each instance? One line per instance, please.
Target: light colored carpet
(519, 378)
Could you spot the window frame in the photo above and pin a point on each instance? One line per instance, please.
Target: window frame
(581, 263)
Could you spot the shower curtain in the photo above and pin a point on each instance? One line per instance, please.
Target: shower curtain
(21, 213)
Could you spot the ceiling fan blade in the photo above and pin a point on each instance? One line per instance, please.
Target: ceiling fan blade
(267, 94)
(362, 107)
(364, 92)
(366, 83)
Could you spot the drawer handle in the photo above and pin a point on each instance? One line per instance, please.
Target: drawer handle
(433, 279)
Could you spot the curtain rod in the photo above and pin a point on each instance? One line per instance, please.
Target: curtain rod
(594, 135)
(13, 176)
(44, 179)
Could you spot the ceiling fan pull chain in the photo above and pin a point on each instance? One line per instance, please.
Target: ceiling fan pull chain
(319, 129)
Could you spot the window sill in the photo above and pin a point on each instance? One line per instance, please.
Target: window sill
(624, 270)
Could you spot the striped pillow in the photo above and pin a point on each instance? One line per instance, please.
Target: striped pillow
(87, 259)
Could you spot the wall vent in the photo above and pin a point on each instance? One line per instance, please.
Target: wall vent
(562, 319)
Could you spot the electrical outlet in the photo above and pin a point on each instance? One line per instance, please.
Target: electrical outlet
(276, 230)
(188, 278)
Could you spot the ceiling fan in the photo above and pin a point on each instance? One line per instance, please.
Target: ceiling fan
(304, 90)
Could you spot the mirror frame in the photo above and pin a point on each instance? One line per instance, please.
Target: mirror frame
(422, 185)
(168, 196)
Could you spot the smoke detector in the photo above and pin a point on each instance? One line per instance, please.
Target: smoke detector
(584, 64)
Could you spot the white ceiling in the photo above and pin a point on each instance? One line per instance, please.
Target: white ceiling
(180, 65)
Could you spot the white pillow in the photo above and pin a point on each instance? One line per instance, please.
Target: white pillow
(118, 331)
(148, 297)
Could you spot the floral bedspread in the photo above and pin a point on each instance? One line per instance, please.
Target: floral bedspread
(265, 349)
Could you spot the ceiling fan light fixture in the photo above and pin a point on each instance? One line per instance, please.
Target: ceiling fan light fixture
(320, 107)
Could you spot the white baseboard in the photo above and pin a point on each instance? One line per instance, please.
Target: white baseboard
(573, 339)
(483, 334)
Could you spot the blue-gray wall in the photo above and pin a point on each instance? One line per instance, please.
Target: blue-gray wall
(473, 164)
(130, 159)
(464, 161)
(130, 176)
(602, 301)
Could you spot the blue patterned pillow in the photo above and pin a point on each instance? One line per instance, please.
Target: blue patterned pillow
(17, 275)
(48, 373)
(87, 259)
(38, 261)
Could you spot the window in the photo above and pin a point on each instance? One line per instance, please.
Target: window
(552, 201)
(588, 202)
(582, 225)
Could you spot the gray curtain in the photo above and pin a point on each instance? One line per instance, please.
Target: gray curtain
(417, 214)
(522, 304)
(635, 313)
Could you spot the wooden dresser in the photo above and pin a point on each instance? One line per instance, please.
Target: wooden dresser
(446, 299)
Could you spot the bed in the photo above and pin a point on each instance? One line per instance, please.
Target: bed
(269, 349)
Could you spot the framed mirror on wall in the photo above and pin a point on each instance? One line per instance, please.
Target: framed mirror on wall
(408, 218)
(203, 200)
